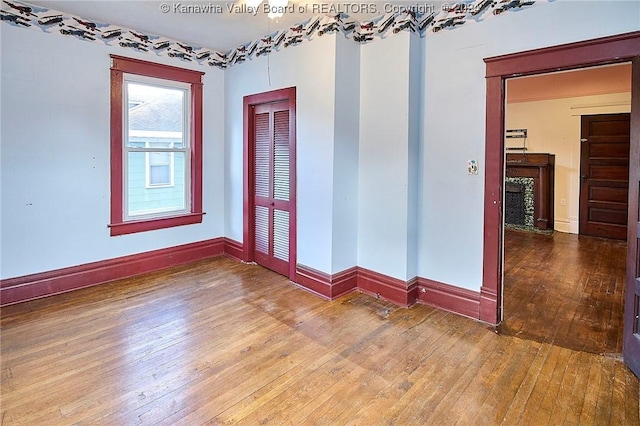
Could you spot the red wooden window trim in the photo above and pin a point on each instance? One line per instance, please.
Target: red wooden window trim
(607, 50)
(288, 94)
(121, 65)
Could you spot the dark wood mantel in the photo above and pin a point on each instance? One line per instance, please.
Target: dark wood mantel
(541, 168)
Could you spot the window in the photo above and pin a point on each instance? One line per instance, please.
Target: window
(156, 146)
(156, 137)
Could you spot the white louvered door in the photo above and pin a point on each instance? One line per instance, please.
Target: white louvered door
(272, 182)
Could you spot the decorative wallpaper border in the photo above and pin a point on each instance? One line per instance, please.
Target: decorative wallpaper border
(421, 21)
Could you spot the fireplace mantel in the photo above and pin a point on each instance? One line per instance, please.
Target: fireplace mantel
(540, 167)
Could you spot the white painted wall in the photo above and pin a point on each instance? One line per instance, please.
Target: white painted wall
(554, 126)
(384, 198)
(416, 73)
(311, 69)
(55, 162)
(451, 221)
(345, 156)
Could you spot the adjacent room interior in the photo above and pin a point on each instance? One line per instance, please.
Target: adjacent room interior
(577, 301)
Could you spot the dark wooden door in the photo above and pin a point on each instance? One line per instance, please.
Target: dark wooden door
(604, 175)
(271, 196)
(631, 343)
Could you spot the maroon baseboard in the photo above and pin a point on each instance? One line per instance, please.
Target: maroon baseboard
(488, 312)
(344, 282)
(454, 299)
(35, 286)
(325, 285)
(233, 249)
(314, 281)
(403, 293)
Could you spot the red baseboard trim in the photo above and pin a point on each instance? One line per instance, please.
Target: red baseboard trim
(488, 312)
(344, 282)
(314, 281)
(233, 249)
(326, 285)
(453, 299)
(35, 286)
(403, 293)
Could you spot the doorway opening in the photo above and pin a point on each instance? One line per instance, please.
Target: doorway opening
(602, 51)
(561, 286)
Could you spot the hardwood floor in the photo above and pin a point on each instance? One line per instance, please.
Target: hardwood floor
(220, 342)
(565, 289)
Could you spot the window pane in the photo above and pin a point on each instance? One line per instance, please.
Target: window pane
(160, 175)
(143, 199)
(159, 158)
(155, 115)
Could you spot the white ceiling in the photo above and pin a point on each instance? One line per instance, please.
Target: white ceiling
(220, 31)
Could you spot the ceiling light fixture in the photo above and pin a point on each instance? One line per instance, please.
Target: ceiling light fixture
(276, 7)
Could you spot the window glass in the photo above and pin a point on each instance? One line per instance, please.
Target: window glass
(156, 154)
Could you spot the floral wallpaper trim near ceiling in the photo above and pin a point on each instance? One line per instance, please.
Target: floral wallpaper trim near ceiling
(421, 20)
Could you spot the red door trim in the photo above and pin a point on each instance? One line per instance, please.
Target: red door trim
(607, 50)
(619, 48)
(288, 94)
(631, 345)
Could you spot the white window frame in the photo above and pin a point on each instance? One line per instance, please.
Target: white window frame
(185, 149)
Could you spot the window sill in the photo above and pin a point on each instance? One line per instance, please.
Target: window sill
(132, 227)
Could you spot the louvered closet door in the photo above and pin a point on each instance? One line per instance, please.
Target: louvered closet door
(271, 186)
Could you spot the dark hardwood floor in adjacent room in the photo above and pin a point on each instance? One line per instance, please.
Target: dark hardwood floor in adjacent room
(565, 289)
(221, 342)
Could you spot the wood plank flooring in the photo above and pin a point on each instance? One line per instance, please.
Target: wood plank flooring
(565, 289)
(221, 342)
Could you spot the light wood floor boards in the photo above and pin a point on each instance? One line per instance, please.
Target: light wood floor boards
(565, 289)
(220, 342)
